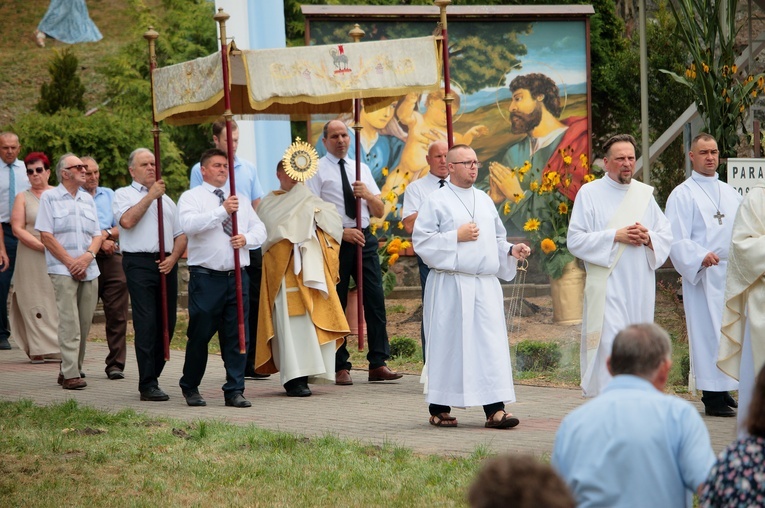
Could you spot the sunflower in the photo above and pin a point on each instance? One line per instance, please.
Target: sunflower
(563, 208)
(548, 246)
(532, 224)
(392, 259)
(506, 208)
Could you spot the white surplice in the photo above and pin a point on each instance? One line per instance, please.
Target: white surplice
(467, 345)
(742, 348)
(631, 286)
(691, 209)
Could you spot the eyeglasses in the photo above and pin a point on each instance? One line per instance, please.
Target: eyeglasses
(31, 171)
(78, 167)
(470, 164)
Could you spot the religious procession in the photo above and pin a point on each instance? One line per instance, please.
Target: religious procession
(271, 276)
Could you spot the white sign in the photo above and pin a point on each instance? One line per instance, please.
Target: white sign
(743, 174)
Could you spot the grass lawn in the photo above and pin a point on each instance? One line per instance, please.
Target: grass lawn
(68, 455)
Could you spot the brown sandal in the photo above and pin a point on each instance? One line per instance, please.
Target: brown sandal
(508, 421)
(443, 420)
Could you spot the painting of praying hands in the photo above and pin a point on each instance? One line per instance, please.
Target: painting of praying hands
(520, 100)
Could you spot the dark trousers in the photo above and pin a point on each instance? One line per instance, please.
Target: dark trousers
(5, 280)
(254, 272)
(374, 301)
(143, 282)
(113, 292)
(488, 409)
(212, 308)
(424, 271)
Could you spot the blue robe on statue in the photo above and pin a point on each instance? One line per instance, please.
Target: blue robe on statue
(68, 21)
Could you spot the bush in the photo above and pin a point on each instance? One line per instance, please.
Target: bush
(537, 356)
(65, 90)
(403, 347)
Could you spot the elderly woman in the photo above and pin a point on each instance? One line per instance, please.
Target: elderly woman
(33, 316)
(736, 480)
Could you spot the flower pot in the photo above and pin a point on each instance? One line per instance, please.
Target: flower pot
(568, 295)
(352, 313)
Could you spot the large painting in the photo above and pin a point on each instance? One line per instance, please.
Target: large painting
(521, 100)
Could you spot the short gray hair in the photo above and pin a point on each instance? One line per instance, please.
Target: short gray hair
(135, 153)
(640, 350)
(61, 165)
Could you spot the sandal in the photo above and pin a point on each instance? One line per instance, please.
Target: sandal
(443, 420)
(508, 421)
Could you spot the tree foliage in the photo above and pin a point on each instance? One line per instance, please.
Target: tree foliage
(109, 138)
(65, 89)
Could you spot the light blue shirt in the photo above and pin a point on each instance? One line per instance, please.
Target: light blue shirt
(104, 198)
(633, 446)
(247, 183)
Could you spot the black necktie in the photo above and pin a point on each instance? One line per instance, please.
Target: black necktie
(350, 201)
(228, 225)
(441, 183)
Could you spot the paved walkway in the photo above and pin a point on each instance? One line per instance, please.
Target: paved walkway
(392, 412)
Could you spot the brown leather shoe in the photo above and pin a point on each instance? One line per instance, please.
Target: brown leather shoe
(343, 377)
(383, 374)
(76, 383)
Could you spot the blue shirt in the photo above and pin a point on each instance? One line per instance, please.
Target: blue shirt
(104, 198)
(247, 183)
(633, 446)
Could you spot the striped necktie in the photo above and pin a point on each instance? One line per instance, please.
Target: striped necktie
(11, 188)
(228, 226)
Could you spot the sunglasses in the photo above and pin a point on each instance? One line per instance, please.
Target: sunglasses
(31, 171)
(78, 167)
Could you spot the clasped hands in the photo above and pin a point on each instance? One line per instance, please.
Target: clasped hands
(635, 234)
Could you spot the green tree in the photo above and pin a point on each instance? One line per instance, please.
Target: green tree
(65, 89)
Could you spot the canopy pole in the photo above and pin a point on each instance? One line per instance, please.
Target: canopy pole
(221, 17)
(151, 35)
(357, 33)
(442, 4)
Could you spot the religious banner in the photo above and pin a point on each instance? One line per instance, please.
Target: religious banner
(296, 82)
(743, 174)
(320, 74)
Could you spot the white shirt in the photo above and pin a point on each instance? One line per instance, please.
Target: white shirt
(144, 236)
(73, 221)
(22, 184)
(202, 216)
(418, 191)
(328, 185)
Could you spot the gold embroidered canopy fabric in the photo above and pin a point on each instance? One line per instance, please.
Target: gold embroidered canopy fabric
(296, 81)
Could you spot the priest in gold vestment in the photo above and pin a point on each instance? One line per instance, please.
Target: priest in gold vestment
(301, 322)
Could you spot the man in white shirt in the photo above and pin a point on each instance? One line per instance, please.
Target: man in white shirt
(247, 187)
(332, 184)
(13, 179)
(416, 194)
(205, 214)
(701, 210)
(68, 224)
(136, 212)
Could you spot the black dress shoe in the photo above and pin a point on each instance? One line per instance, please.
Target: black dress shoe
(4, 344)
(115, 374)
(238, 400)
(251, 374)
(154, 394)
(194, 399)
(297, 387)
(730, 401)
(723, 411)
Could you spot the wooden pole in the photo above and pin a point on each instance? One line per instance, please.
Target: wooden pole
(357, 33)
(442, 4)
(221, 17)
(151, 35)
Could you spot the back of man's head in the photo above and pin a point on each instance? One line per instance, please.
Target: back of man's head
(640, 350)
(521, 482)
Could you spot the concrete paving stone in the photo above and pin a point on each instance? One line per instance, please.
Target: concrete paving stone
(377, 413)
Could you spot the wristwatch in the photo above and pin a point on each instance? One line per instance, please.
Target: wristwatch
(108, 233)
(91, 253)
